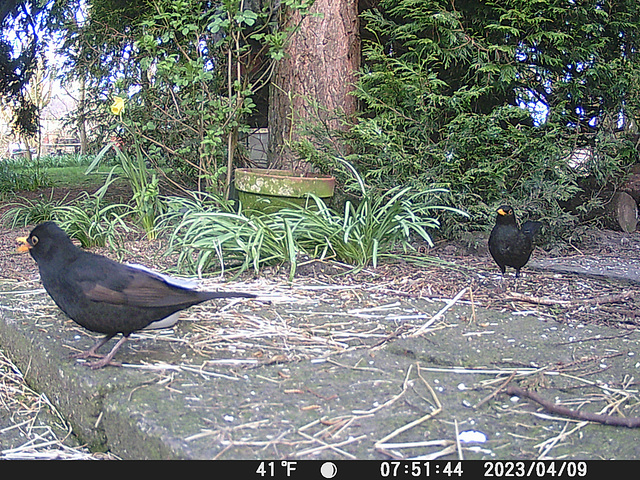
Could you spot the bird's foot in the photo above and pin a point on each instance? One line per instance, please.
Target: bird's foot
(502, 287)
(87, 354)
(92, 351)
(106, 360)
(103, 362)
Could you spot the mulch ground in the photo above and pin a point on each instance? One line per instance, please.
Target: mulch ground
(440, 272)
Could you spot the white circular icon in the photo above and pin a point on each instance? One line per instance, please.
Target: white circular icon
(328, 470)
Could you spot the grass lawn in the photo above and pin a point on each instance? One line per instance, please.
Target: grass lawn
(60, 172)
(65, 177)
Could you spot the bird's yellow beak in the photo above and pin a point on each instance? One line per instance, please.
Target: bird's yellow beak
(24, 246)
(501, 212)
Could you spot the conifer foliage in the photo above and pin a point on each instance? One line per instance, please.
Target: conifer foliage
(530, 102)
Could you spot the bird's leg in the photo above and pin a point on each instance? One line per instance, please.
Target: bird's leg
(92, 351)
(502, 286)
(106, 360)
(517, 280)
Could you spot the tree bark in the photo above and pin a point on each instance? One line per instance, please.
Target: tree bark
(82, 125)
(622, 213)
(632, 184)
(320, 65)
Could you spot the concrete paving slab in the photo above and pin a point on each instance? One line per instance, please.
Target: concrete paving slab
(168, 402)
(613, 268)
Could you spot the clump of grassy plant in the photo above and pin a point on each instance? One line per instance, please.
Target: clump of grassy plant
(88, 219)
(94, 224)
(14, 179)
(148, 205)
(204, 239)
(31, 212)
(50, 161)
(360, 235)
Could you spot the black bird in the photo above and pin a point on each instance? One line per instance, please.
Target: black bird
(509, 245)
(105, 296)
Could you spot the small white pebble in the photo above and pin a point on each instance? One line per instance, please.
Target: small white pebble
(472, 436)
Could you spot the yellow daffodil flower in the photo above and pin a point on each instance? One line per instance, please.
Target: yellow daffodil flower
(118, 105)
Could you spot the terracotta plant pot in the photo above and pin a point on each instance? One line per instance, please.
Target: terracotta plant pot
(269, 190)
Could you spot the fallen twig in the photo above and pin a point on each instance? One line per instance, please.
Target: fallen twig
(496, 391)
(438, 315)
(458, 446)
(390, 337)
(629, 422)
(405, 386)
(325, 446)
(618, 298)
(381, 445)
(546, 446)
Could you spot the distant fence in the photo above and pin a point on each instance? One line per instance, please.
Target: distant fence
(61, 147)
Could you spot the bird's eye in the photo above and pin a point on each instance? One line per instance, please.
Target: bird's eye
(34, 240)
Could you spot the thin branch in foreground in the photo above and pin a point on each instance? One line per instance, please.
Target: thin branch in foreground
(325, 446)
(618, 298)
(629, 422)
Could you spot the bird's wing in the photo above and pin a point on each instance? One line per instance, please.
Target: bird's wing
(530, 227)
(103, 280)
(504, 246)
(178, 282)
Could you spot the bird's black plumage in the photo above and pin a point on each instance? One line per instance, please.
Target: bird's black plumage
(509, 245)
(103, 295)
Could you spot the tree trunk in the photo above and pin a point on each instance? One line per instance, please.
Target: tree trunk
(24, 139)
(622, 213)
(320, 66)
(632, 184)
(82, 127)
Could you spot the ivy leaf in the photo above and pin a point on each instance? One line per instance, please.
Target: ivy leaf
(247, 17)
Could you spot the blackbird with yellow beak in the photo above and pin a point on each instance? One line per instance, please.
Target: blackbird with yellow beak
(105, 296)
(509, 245)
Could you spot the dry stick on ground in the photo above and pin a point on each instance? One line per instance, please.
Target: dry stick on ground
(473, 306)
(629, 422)
(619, 298)
(458, 446)
(405, 387)
(546, 446)
(357, 414)
(382, 446)
(329, 446)
(390, 337)
(495, 392)
(441, 313)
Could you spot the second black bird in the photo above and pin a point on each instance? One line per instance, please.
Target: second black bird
(509, 245)
(105, 296)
